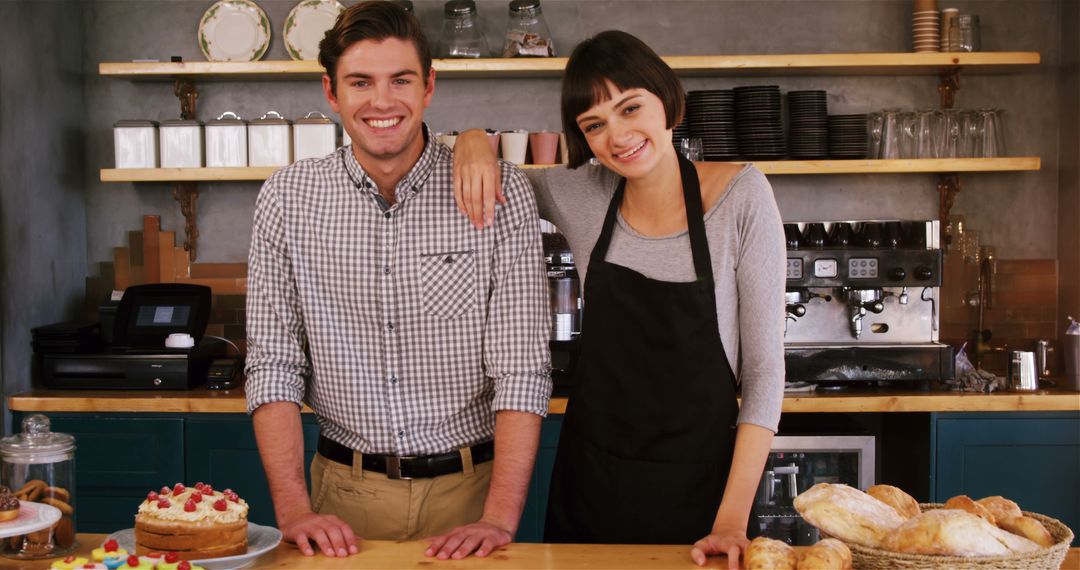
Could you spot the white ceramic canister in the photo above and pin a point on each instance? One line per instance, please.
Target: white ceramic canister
(181, 143)
(269, 140)
(226, 141)
(314, 136)
(136, 143)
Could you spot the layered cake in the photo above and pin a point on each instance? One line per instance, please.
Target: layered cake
(195, 522)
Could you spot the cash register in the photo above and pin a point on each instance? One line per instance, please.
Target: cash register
(158, 343)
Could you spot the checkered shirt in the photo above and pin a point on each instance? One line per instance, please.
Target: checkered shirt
(403, 327)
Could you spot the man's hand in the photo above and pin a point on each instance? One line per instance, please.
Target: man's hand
(481, 537)
(331, 534)
(477, 183)
(729, 540)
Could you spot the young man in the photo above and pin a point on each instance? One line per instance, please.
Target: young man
(419, 341)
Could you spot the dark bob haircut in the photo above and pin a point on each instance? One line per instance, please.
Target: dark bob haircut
(627, 63)
(372, 21)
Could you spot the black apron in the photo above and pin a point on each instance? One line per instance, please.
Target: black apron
(649, 430)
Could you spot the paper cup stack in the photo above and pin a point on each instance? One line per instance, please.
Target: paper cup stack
(926, 26)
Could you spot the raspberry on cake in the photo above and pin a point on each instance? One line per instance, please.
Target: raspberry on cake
(134, 563)
(109, 548)
(195, 522)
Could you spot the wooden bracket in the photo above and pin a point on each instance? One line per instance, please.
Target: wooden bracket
(187, 193)
(948, 186)
(949, 85)
(185, 90)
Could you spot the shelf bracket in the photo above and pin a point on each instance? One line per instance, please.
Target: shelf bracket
(185, 90)
(948, 187)
(187, 193)
(949, 85)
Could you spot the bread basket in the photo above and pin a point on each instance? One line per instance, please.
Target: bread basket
(864, 558)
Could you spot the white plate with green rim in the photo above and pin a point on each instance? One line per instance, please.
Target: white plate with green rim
(234, 30)
(307, 24)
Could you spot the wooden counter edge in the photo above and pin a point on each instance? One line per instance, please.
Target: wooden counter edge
(205, 401)
(384, 554)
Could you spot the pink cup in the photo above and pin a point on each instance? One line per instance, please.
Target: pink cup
(544, 146)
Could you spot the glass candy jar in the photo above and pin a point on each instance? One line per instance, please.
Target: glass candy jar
(461, 36)
(527, 34)
(38, 465)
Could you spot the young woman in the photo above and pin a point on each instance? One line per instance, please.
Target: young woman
(683, 265)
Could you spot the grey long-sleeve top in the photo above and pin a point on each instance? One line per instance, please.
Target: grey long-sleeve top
(746, 242)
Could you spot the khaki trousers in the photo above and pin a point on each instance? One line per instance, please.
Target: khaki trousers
(379, 508)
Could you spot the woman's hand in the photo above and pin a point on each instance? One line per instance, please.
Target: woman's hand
(476, 178)
(729, 540)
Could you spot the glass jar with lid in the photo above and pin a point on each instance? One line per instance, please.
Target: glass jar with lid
(527, 33)
(38, 465)
(461, 36)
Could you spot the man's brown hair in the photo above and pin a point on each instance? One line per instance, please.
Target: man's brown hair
(372, 21)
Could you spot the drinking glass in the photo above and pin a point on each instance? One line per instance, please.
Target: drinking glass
(969, 133)
(907, 135)
(948, 133)
(874, 124)
(890, 134)
(923, 124)
(990, 141)
(691, 149)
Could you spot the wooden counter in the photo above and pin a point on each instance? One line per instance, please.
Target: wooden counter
(518, 556)
(202, 400)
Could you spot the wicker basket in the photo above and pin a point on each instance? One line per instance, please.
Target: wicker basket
(864, 558)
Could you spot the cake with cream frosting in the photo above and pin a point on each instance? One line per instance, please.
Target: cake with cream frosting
(195, 522)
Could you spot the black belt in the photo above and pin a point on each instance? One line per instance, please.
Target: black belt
(417, 467)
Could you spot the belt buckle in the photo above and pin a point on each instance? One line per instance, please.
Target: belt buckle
(393, 467)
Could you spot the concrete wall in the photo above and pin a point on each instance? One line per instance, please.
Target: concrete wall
(42, 203)
(1069, 171)
(1015, 211)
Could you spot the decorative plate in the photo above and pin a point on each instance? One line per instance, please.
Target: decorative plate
(234, 30)
(261, 539)
(307, 24)
(32, 517)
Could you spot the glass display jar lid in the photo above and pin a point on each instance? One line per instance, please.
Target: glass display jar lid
(459, 7)
(37, 443)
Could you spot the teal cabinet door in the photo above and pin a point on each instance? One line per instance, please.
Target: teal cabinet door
(118, 459)
(531, 528)
(221, 451)
(1031, 458)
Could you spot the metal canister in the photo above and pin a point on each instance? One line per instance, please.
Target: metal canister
(1022, 373)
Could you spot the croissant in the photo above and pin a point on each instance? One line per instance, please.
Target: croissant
(827, 554)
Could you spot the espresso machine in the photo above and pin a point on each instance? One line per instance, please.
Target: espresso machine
(863, 301)
(566, 309)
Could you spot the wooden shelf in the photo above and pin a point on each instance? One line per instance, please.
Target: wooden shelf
(695, 65)
(779, 167)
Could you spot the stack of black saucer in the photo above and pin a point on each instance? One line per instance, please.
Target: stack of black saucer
(710, 116)
(848, 136)
(758, 123)
(808, 136)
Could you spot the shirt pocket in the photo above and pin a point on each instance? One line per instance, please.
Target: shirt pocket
(449, 280)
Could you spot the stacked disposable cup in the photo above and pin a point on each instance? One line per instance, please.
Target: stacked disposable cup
(926, 26)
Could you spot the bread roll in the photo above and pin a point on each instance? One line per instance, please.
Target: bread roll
(827, 554)
(1028, 528)
(1001, 507)
(847, 514)
(768, 554)
(904, 503)
(954, 533)
(964, 503)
